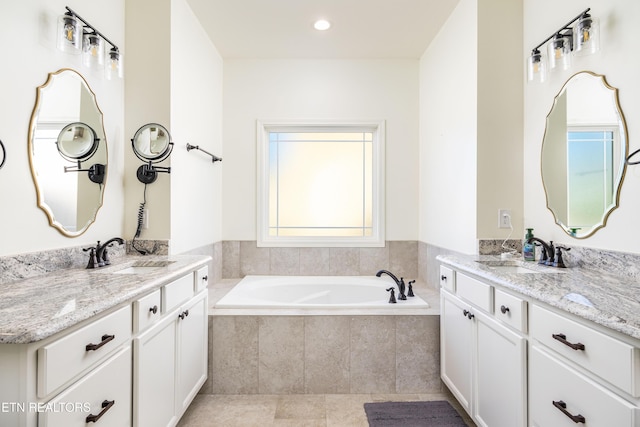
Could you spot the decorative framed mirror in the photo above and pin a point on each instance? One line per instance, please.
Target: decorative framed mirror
(68, 152)
(583, 154)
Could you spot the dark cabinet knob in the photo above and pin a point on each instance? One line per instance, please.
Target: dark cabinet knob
(154, 309)
(504, 309)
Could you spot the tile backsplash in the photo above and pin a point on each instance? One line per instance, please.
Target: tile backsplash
(241, 258)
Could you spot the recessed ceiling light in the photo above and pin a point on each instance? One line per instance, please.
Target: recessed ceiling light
(322, 25)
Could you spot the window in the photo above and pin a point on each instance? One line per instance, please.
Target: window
(590, 178)
(320, 184)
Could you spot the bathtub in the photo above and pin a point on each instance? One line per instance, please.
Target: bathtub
(315, 292)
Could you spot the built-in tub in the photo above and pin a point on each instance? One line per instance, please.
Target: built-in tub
(322, 335)
(317, 292)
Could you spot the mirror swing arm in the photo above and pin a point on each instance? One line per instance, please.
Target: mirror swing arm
(628, 159)
(3, 152)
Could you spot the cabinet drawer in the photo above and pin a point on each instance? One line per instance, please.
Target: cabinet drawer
(610, 359)
(474, 291)
(177, 292)
(63, 359)
(551, 381)
(146, 311)
(202, 278)
(511, 310)
(92, 395)
(447, 279)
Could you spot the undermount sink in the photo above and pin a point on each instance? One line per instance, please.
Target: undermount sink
(519, 267)
(143, 267)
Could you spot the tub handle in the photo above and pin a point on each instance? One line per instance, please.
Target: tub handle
(392, 297)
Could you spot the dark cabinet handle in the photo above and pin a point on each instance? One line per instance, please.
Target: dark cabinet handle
(468, 314)
(563, 339)
(563, 408)
(205, 278)
(105, 339)
(504, 309)
(106, 405)
(154, 309)
(443, 278)
(183, 314)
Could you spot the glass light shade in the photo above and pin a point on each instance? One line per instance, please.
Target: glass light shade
(92, 50)
(536, 67)
(586, 35)
(560, 52)
(69, 34)
(114, 66)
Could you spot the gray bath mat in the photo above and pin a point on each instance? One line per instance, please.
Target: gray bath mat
(435, 413)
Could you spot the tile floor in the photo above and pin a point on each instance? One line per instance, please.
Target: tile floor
(300, 410)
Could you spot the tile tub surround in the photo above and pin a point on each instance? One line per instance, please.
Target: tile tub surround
(602, 297)
(36, 308)
(288, 352)
(241, 258)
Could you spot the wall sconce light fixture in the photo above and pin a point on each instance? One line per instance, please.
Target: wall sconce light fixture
(151, 144)
(581, 39)
(78, 142)
(76, 35)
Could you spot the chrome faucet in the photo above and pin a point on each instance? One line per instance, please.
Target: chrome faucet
(399, 283)
(98, 255)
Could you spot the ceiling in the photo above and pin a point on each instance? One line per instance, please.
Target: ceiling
(284, 28)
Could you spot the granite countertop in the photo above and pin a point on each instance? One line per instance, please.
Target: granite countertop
(36, 308)
(603, 298)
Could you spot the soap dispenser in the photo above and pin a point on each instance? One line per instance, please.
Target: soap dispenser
(528, 248)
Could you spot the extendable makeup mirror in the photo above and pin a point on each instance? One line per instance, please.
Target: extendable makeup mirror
(151, 144)
(78, 142)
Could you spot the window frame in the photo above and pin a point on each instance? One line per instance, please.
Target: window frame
(377, 127)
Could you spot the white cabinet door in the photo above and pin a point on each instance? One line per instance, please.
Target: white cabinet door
(154, 375)
(456, 347)
(500, 400)
(192, 350)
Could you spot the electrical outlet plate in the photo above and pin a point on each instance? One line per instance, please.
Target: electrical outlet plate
(504, 218)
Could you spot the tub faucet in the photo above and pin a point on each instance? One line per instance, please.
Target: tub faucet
(101, 251)
(548, 251)
(399, 283)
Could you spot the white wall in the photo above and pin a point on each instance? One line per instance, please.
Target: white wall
(320, 89)
(500, 118)
(471, 126)
(147, 100)
(176, 80)
(196, 118)
(618, 60)
(28, 30)
(448, 139)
